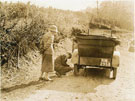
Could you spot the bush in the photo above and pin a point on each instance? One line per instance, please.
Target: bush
(22, 26)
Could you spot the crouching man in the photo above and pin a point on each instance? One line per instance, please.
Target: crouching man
(61, 66)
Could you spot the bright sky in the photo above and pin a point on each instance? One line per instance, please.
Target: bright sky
(74, 5)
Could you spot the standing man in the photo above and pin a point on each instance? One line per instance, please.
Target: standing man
(46, 45)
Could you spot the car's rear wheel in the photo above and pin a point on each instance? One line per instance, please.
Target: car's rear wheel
(76, 70)
(114, 73)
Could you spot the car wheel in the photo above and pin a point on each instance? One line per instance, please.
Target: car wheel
(76, 70)
(114, 73)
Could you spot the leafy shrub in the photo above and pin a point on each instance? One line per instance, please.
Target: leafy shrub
(22, 26)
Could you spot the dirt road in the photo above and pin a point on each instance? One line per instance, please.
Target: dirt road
(95, 87)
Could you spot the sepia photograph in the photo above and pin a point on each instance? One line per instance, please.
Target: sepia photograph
(67, 50)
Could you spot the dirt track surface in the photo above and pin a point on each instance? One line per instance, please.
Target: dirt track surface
(95, 87)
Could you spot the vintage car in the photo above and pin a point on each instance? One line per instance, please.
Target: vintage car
(95, 51)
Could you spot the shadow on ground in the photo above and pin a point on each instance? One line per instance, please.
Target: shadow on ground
(71, 83)
(81, 84)
(4, 90)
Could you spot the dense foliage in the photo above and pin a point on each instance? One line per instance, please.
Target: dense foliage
(118, 13)
(22, 25)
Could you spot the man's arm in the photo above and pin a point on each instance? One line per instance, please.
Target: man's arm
(64, 60)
